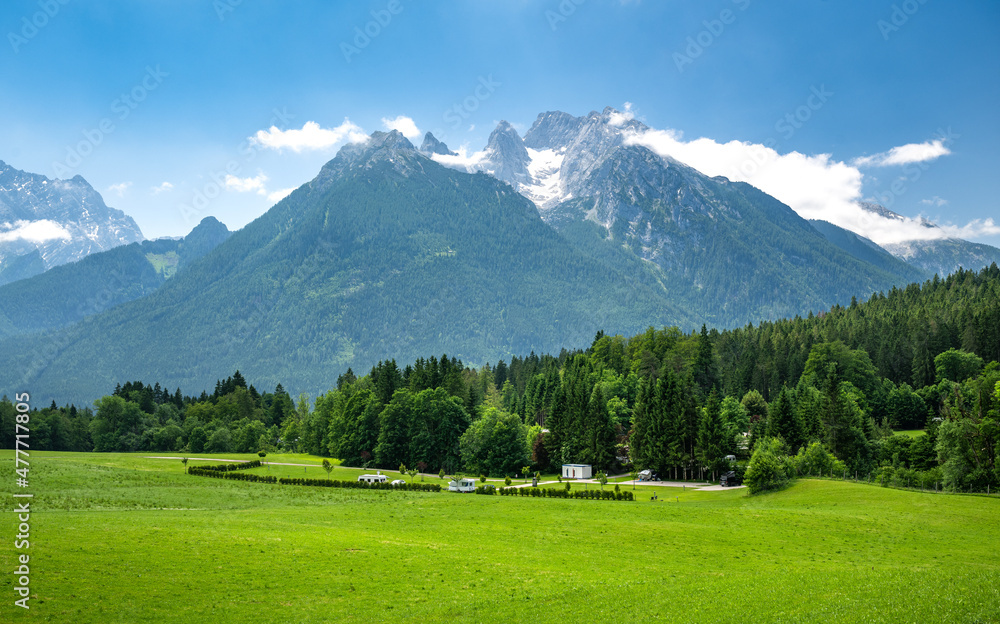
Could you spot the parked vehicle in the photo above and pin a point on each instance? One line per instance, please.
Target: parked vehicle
(398, 482)
(462, 485)
(375, 478)
(730, 479)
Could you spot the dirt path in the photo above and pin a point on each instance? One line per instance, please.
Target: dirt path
(680, 484)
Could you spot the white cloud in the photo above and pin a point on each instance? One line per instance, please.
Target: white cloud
(973, 229)
(816, 186)
(120, 188)
(811, 185)
(33, 231)
(280, 194)
(905, 154)
(247, 185)
(162, 188)
(462, 160)
(404, 124)
(619, 118)
(310, 137)
(934, 201)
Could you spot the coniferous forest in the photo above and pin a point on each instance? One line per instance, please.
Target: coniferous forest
(816, 395)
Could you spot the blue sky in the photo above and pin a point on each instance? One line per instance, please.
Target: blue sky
(851, 80)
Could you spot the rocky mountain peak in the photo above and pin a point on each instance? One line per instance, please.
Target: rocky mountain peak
(432, 145)
(381, 147)
(64, 220)
(552, 130)
(506, 155)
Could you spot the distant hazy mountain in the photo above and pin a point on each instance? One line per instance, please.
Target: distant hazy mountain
(64, 220)
(944, 256)
(941, 256)
(70, 292)
(384, 254)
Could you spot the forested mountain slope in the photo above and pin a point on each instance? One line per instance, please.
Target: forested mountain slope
(902, 330)
(385, 252)
(67, 293)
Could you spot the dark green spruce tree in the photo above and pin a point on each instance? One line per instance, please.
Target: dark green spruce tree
(705, 371)
(784, 421)
(600, 433)
(711, 446)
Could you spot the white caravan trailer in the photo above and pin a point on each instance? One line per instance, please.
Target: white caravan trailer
(462, 485)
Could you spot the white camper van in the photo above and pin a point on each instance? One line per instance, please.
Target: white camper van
(462, 485)
(375, 478)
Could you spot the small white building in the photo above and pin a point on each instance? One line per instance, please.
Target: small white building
(577, 471)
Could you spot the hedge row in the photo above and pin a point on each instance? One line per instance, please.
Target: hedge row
(236, 476)
(229, 467)
(411, 487)
(555, 493)
(225, 471)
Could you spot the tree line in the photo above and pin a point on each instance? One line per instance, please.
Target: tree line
(673, 402)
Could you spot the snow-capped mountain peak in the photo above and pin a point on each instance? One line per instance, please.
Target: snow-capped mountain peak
(544, 186)
(64, 220)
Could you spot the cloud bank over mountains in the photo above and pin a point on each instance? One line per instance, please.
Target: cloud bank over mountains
(816, 186)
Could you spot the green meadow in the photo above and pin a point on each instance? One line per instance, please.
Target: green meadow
(125, 538)
(912, 433)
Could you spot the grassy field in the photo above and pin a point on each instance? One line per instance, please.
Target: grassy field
(123, 538)
(912, 433)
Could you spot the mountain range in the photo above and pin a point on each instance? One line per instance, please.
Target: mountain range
(724, 249)
(397, 252)
(45, 223)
